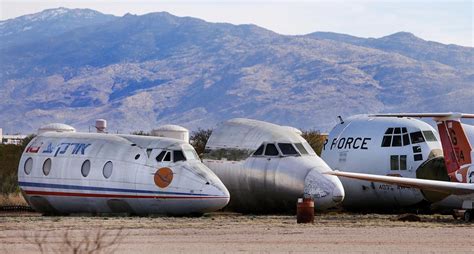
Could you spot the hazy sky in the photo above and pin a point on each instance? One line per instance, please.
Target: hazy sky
(442, 21)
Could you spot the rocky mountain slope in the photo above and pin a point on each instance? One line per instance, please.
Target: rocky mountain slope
(142, 71)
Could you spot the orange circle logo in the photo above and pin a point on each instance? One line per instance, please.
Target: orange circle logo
(163, 177)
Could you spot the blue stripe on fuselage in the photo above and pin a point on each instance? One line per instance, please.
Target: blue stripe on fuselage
(93, 188)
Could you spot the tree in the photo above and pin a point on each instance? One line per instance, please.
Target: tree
(199, 139)
(315, 140)
(140, 133)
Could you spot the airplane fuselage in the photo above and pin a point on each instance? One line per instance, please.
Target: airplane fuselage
(384, 146)
(63, 173)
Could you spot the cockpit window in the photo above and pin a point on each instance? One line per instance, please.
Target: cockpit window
(160, 156)
(406, 139)
(167, 157)
(396, 137)
(416, 137)
(429, 136)
(178, 156)
(301, 148)
(287, 149)
(259, 151)
(397, 140)
(190, 154)
(271, 150)
(387, 140)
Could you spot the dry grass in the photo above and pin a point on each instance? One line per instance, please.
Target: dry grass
(12, 199)
(235, 233)
(74, 241)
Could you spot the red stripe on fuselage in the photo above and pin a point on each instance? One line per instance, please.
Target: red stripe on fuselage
(98, 195)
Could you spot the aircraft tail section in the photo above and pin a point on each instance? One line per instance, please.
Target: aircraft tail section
(456, 146)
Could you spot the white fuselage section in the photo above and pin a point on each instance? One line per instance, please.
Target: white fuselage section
(63, 173)
(382, 146)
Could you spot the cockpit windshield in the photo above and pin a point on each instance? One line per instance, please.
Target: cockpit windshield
(301, 148)
(429, 136)
(416, 137)
(399, 136)
(178, 155)
(283, 149)
(190, 154)
(271, 150)
(287, 149)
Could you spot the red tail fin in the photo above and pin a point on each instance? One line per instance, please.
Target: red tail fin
(456, 146)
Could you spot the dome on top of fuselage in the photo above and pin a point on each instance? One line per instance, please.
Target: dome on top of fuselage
(171, 131)
(249, 134)
(56, 127)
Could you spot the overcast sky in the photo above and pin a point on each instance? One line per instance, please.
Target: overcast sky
(442, 21)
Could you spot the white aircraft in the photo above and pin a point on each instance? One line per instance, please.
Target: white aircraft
(267, 167)
(63, 171)
(458, 152)
(384, 146)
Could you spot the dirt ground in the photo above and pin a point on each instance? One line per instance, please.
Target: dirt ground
(235, 233)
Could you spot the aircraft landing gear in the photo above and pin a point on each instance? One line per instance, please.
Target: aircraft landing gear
(468, 215)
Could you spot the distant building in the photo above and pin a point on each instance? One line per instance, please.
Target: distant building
(15, 139)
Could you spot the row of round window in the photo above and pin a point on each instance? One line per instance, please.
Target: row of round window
(85, 168)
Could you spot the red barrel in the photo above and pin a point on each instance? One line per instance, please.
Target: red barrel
(305, 210)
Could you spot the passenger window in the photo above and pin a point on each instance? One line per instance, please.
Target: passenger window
(86, 168)
(416, 137)
(287, 149)
(397, 140)
(387, 140)
(160, 156)
(259, 151)
(406, 139)
(28, 166)
(167, 157)
(429, 136)
(178, 156)
(301, 148)
(47, 166)
(271, 150)
(403, 162)
(107, 170)
(394, 162)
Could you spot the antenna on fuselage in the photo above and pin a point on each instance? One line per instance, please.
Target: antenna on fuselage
(340, 119)
(101, 125)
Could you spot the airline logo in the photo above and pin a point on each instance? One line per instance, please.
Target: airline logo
(63, 148)
(163, 177)
(34, 148)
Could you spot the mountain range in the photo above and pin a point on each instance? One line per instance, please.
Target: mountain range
(139, 72)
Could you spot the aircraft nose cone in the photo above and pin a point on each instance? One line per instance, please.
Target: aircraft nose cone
(338, 194)
(218, 197)
(326, 190)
